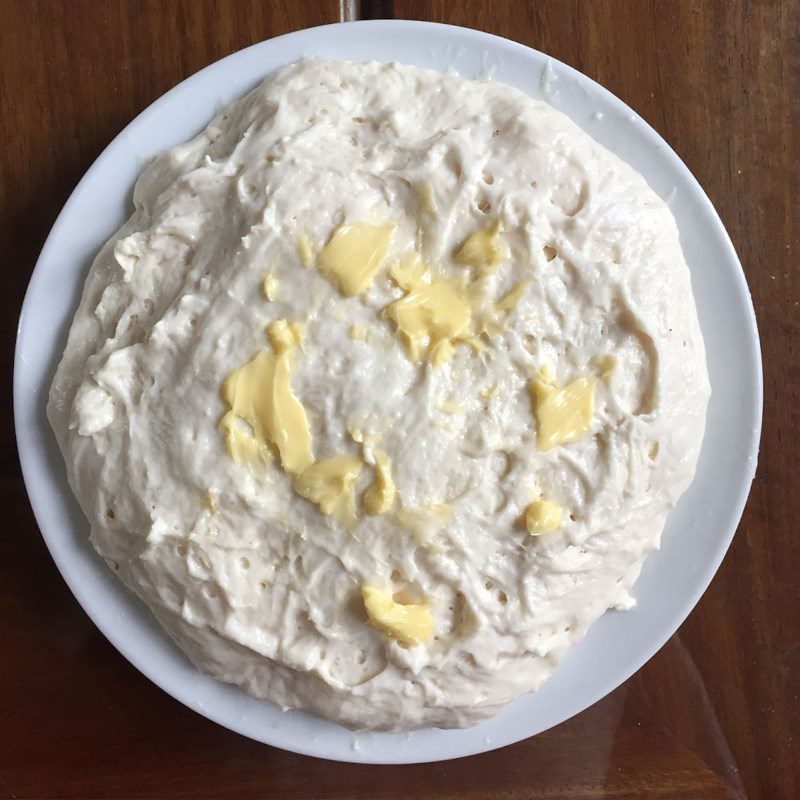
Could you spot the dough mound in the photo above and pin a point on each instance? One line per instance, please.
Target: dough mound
(579, 277)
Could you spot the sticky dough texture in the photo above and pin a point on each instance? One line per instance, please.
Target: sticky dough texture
(265, 593)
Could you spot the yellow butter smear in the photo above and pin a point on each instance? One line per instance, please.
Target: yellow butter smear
(270, 286)
(408, 623)
(264, 414)
(354, 254)
(508, 303)
(563, 413)
(305, 250)
(357, 333)
(432, 316)
(264, 411)
(380, 496)
(450, 408)
(331, 484)
(483, 248)
(543, 516)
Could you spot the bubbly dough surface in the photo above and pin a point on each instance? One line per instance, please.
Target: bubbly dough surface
(571, 279)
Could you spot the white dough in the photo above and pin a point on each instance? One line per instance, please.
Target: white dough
(265, 592)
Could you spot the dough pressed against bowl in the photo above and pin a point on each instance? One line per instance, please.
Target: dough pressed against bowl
(383, 393)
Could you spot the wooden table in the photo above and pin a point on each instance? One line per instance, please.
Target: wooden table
(716, 713)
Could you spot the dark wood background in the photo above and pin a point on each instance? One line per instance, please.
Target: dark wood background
(716, 714)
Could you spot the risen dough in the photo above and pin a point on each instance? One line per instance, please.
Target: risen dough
(253, 581)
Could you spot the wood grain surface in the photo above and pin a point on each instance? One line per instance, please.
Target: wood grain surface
(716, 714)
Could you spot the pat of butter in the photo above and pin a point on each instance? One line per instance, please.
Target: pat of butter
(331, 484)
(410, 624)
(542, 516)
(271, 287)
(305, 250)
(433, 314)
(484, 248)
(357, 435)
(263, 408)
(380, 496)
(563, 414)
(353, 255)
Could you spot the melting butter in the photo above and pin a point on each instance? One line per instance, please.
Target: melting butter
(305, 250)
(285, 336)
(331, 484)
(380, 496)
(433, 314)
(271, 287)
(543, 516)
(354, 254)
(495, 322)
(563, 414)
(483, 248)
(475, 343)
(410, 624)
(210, 502)
(264, 410)
(357, 333)
(509, 302)
(292, 334)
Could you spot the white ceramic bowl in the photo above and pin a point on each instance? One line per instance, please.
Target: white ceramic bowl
(699, 529)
